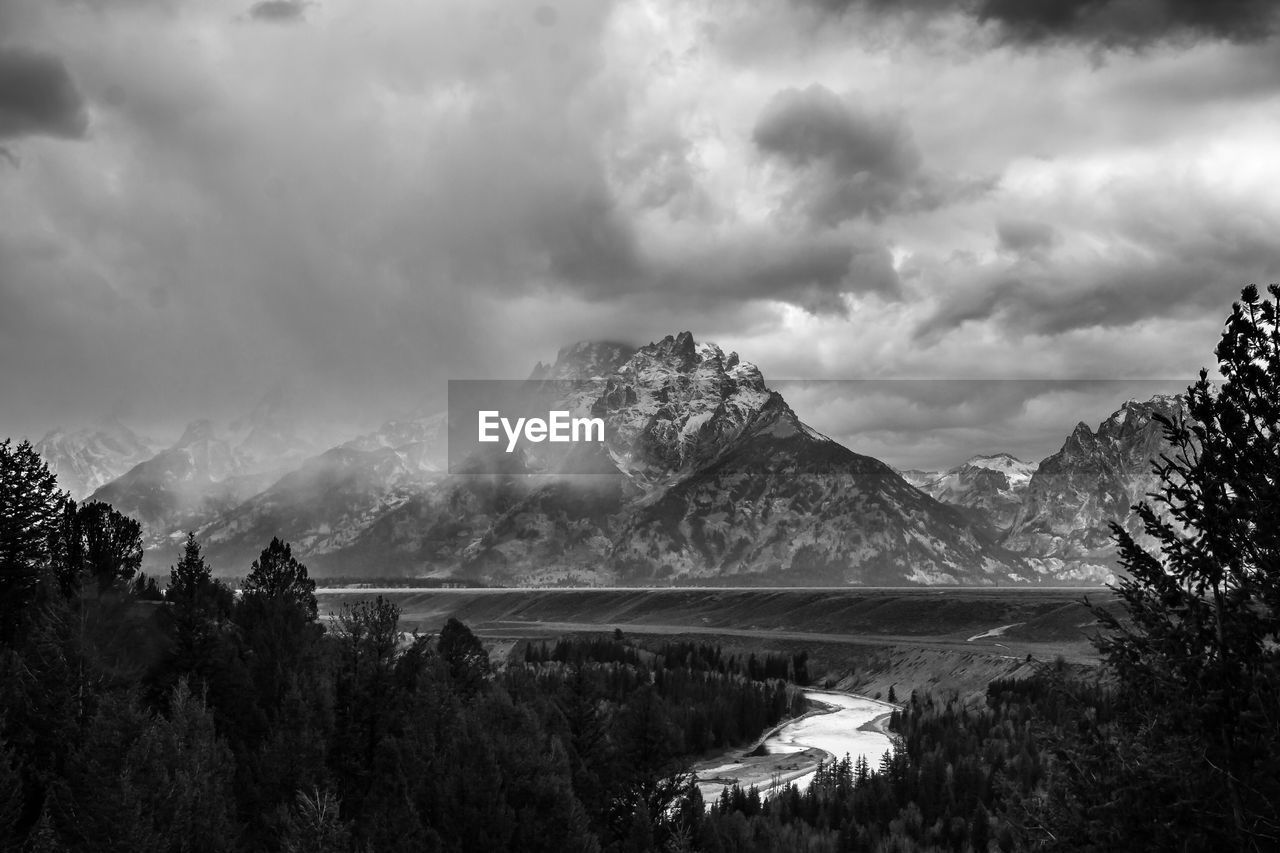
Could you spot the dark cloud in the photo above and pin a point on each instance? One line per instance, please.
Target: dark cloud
(1021, 236)
(586, 241)
(814, 125)
(38, 96)
(1124, 22)
(861, 164)
(1145, 275)
(849, 162)
(278, 11)
(417, 191)
(814, 272)
(1111, 23)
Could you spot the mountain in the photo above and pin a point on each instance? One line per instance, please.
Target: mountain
(333, 498)
(706, 476)
(1062, 524)
(91, 457)
(585, 360)
(992, 487)
(418, 440)
(207, 472)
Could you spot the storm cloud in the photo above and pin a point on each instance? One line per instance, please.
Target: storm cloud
(1122, 22)
(279, 11)
(850, 163)
(396, 193)
(1108, 23)
(38, 96)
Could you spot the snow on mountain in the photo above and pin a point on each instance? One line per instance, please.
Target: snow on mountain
(584, 360)
(207, 472)
(918, 477)
(990, 486)
(332, 499)
(706, 476)
(88, 458)
(419, 441)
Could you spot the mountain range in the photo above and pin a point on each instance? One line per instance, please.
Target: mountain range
(706, 476)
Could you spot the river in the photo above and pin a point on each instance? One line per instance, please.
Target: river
(794, 747)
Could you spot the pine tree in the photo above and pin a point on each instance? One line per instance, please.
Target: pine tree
(277, 616)
(30, 510)
(1197, 653)
(464, 654)
(278, 577)
(198, 605)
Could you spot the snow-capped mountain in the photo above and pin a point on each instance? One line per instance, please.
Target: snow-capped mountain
(207, 472)
(585, 360)
(332, 499)
(418, 440)
(992, 486)
(88, 458)
(1062, 524)
(706, 476)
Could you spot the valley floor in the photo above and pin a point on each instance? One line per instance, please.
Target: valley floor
(860, 640)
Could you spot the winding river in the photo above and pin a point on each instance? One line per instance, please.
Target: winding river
(819, 735)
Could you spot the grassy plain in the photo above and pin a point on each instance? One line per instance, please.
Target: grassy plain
(861, 640)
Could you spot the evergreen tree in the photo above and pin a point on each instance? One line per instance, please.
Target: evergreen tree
(30, 512)
(464, 654)
(277, 617)
(277, 577)
(366, 635)
(198, 604)
(1196, 655)
(192, 588)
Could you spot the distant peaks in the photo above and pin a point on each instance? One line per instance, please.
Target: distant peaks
(196, 431)
(996, 457)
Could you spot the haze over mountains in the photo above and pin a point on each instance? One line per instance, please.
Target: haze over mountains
(707, 477)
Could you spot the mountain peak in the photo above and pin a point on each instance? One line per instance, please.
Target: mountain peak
(197, 431)
(585, 360)
(994, 457)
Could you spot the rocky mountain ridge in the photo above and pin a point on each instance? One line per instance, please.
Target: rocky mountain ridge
(1062, 525)
(991, 486)
(706, 476)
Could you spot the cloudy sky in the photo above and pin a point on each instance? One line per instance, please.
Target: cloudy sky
(360, 199)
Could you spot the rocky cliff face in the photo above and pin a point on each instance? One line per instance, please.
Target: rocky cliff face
(1062, 524)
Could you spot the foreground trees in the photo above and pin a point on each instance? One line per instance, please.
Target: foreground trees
(30, 510)
(207, 722)
(1195, 756)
